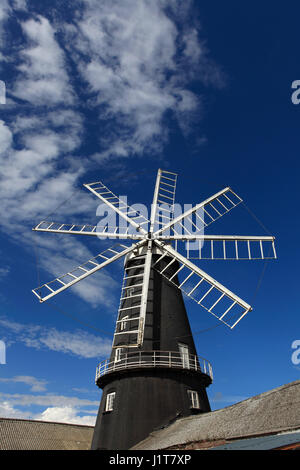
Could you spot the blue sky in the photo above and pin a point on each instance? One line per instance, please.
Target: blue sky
(112, 94)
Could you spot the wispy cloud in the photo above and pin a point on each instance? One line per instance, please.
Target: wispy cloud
(67, 414)
(19, 4)
(59, 408)
(49, 399)
(218, 397)
(26, 193)
(78, 343)
(36, 385)
(7, 410)
(43, 76)
(4, 271)
(138, 64)
(54, 407)
(4, 14)
(48, 130)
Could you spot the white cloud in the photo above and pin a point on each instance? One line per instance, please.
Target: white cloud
(4, 9)
(27, 194)
(219, 397)
(66, 414)
(128, 53)
(4, 271)
(9, 411)
(19, 4)
(78, 343)
(48, 400)
(36, 385)
(6, 137)
(11, 325)
(59, 408)
(44, 79)
(41, 150)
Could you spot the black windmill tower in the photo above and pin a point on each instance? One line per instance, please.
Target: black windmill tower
(154, 374)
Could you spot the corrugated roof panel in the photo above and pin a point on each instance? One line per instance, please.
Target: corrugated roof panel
(262, 443)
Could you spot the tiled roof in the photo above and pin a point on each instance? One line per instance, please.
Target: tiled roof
(19, 434)
(272, 412)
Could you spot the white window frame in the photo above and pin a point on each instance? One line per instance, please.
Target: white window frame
(123, 324)
(194, 399)
(185, 355)
(110, 398)
(118, 353)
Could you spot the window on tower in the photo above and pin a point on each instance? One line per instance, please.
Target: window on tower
(194, 399)
(123, 324)
(184, 354)
(110, 400)
(119, 354)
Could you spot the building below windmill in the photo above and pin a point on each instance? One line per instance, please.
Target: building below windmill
(270, 420)
(25, 434)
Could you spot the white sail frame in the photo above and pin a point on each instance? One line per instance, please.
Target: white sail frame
(203, 206)
(85, 229)
(148, 242)
(184, 262)
(116, 201)
(84, 268)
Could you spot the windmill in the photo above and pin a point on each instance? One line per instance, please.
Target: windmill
(154, 374)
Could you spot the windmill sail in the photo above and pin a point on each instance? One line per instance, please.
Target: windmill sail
(129, 214)
(80, 229)
(164, 199)
(229, 247)
(203, 289)
(59, 284)
(200, 216)
(130, 325)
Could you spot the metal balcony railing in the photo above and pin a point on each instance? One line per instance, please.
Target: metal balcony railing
(167, 359)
